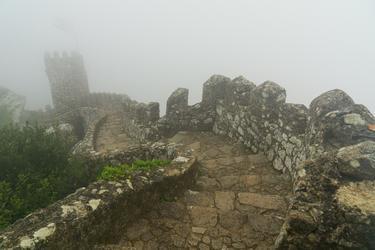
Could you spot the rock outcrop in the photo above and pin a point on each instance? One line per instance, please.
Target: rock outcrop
(333, 202)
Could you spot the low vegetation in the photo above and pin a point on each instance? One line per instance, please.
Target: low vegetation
(112, 173)
(37, 168)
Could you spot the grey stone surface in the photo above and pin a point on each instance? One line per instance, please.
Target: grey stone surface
(358, 161)
(210, 216)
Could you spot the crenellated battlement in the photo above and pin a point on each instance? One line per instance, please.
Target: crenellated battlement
(68, 79)
(327, 149)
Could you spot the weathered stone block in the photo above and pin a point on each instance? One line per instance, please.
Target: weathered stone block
(203, 216)
(358, 161)
(329, 101)
(224, 200)
(214, 89)
(262, 201)
(177, 101)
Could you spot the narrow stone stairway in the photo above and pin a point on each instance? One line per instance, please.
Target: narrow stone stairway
(238, 202)
(111, 135)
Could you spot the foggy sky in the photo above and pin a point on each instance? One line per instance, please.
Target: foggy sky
(148, 48)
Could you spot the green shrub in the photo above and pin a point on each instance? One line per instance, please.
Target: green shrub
(111, 173)
(37, 169)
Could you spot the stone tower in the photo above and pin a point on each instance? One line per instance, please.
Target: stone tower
(68, 80)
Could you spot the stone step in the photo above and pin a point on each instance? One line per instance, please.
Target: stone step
(196, 198)
(264, 201)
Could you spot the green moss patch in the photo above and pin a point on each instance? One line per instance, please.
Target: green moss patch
(113, 173)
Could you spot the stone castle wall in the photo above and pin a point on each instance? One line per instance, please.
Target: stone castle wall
(68, 80)
(107, 101)
(140, 121)
(327, 149)
(98, 213)
(256, 116)
(180, 116)
(260, 118)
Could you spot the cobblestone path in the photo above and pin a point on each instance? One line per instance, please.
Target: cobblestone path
(239, 202)
(111, 135)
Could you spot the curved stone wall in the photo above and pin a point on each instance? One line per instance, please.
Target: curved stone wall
(328, 150)
(92, 118)
(97, 214)
(265, 124)
(256, 116)
(108, 101)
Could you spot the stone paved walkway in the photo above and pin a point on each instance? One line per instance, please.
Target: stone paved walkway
(238, 202)
(111, 135)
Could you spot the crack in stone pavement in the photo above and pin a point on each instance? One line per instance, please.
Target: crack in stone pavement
(238, 202)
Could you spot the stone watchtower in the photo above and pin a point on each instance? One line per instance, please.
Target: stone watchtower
(68, 80)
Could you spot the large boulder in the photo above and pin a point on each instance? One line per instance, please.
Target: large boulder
(329, 101)
(333, 203)
(358, 161)
(270, 94)
(336, 121)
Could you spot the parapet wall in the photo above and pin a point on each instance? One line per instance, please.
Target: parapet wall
(180, 116)
(328, 149)
(256, 116)
(107, 101)
(140, 121)
(94, 118)
(260, 118)
(98, 214)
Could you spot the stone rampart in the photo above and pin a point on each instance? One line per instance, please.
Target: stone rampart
(260, 118)
(328, 149)
(68, 80)
(98, 213)
(110, 102)
(140, 121)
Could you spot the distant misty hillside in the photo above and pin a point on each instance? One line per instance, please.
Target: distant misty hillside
(11, 106)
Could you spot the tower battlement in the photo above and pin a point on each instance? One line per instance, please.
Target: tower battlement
(68, 80)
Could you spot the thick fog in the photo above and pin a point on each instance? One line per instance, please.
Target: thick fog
(148, 48)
